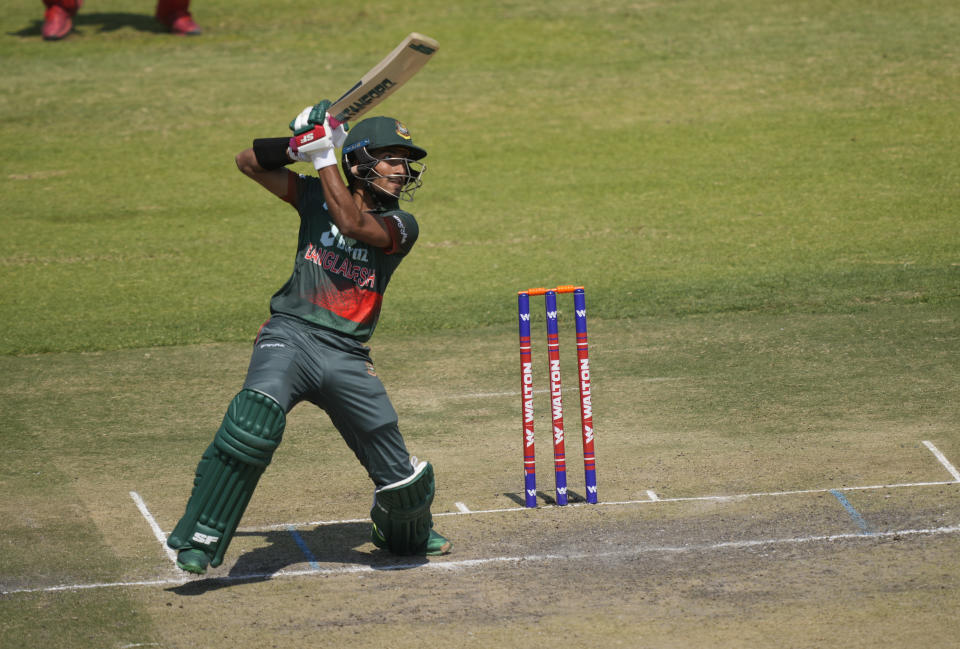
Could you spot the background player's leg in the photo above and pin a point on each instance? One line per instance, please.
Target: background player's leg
(58, 18)
(175, 14)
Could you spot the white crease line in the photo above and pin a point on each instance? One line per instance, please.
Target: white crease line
(488, 395)
(76, 587)
(491, 511)
(530, 558)
(157, 532)
(782, 493)
(648, 501)
(286, 526)
(516, 393)
(652, 498)
(463, 508)
(778, 493)
(943, 460)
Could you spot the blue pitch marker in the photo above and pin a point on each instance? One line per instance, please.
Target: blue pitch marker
(312, 560)
(854, 514)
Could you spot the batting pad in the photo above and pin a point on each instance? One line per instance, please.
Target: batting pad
(228, 473)
(401, 512)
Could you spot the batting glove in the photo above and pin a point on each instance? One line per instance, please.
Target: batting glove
(314, 140)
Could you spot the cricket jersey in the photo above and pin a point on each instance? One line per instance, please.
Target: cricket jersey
(338, 283)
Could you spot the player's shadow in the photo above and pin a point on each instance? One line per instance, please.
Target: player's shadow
(303, 551)
(547, 499)
(100, 23)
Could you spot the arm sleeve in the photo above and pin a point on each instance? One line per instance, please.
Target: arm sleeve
(271, 152)
(404, 231)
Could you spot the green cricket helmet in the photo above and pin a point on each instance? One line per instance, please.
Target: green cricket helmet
(359, 164)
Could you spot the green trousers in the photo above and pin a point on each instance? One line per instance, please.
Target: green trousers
(293, 361)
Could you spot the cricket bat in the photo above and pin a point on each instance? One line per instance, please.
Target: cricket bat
(384, 78)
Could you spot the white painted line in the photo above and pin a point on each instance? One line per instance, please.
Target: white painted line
(943, 460)
(113, 584)
(516, 393)
(287, 526)
(652, 498)
(610, 503)
(485, 561)
(346, 521)
(488, 395)
(492, 511)
(157, 532)
(463, 508)
(763, 494)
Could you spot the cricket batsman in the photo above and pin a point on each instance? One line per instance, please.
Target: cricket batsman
(352, 236)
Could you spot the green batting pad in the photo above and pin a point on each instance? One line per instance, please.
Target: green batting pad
(228, 473)
(401, 512)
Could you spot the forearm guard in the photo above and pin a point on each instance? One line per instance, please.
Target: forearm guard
(271, 152)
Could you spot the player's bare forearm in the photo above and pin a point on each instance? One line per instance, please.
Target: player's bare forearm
(351, 220)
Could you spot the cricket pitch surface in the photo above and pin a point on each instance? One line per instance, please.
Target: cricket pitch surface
(753, 569)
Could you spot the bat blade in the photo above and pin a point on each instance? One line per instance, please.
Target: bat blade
(384, 78)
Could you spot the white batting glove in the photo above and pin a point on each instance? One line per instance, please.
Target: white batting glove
(339, 134)
(313, 138)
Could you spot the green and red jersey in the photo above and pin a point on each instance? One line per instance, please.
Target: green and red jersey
(338, 283)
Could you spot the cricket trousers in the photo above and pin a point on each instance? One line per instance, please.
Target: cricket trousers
(293, 361)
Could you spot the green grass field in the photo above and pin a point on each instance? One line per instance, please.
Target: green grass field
(762, 199)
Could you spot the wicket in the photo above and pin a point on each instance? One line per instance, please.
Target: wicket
(556, 393)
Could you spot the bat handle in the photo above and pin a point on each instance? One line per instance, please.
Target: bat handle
(334, 122)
